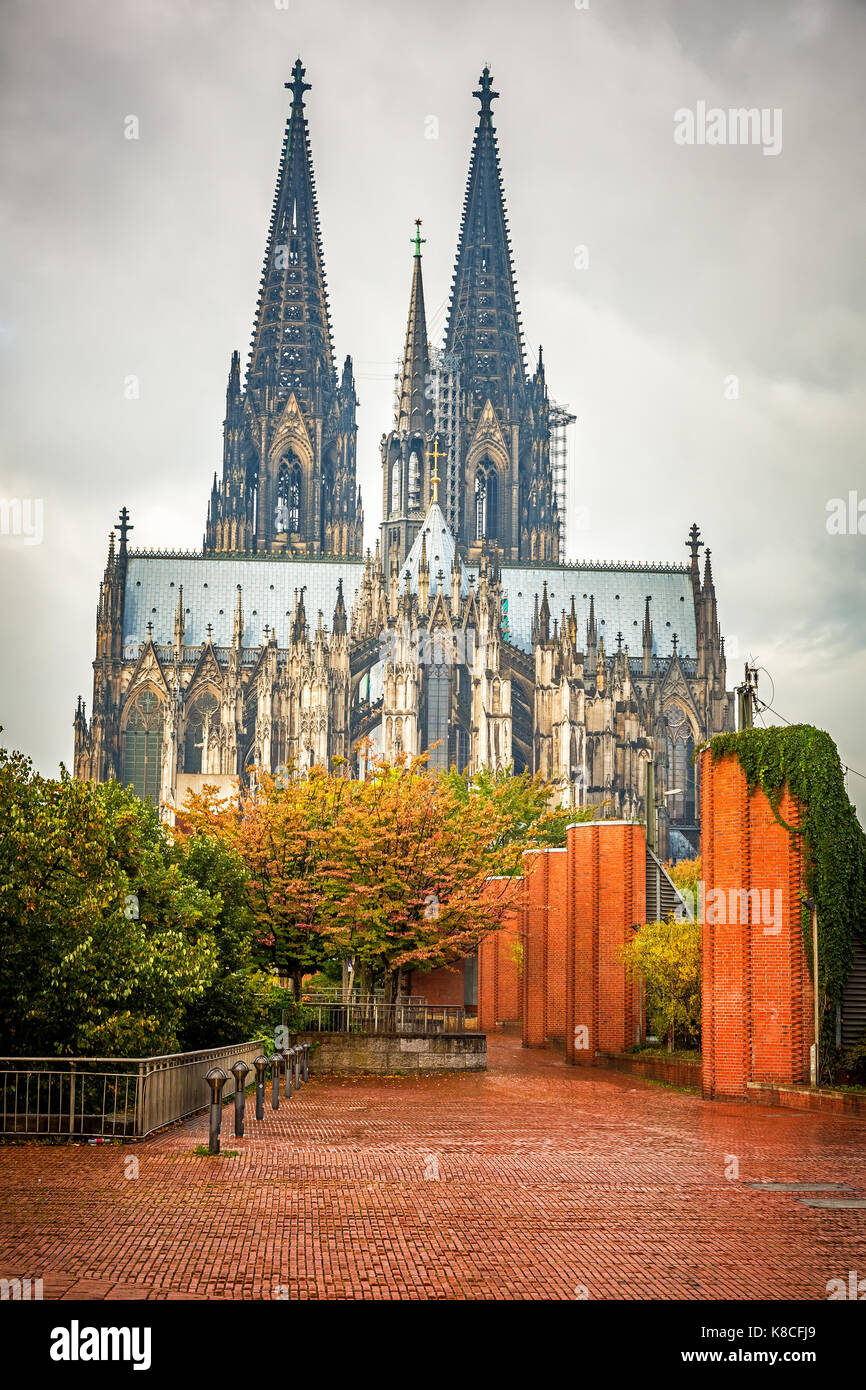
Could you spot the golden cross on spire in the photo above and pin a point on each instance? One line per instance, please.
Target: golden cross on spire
(435, 480)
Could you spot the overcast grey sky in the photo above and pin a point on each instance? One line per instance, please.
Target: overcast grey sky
(704, 263)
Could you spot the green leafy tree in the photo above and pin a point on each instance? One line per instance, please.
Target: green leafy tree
(667, 955)
(104, 940)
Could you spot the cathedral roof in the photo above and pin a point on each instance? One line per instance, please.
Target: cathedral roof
(619, 597)
(436, 543)
(210, 588)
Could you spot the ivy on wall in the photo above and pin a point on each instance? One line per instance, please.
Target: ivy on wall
(806, 761)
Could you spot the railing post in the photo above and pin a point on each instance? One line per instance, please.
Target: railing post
(274, 1060)
(261, 1065)
(216, 1079)
(240, 1072)
(72, 1099)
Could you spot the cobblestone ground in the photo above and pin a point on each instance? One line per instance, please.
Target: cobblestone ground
(525, 1182)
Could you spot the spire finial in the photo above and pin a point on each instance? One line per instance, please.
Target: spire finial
(124, 526)
(485, 93)
(418, 240)
(298, 86)
(435, 480)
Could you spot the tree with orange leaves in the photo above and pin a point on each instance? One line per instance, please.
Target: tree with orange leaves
(416, 874)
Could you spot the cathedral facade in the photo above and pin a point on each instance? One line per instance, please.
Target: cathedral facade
(282, 645)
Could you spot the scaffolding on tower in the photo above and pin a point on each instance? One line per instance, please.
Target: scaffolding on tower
(560, 419)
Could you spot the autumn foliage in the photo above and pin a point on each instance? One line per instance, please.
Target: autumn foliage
(404, 870)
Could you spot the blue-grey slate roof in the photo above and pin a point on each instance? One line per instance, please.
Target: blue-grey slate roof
(210, 595)
(268, 587)
(620, 602)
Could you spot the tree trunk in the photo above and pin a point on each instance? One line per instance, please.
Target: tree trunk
(671, 1038)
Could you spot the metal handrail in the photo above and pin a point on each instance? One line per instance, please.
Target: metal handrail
(107, 1097)
(376, 1017)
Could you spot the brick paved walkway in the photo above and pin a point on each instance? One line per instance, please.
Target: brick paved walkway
(548, 1179)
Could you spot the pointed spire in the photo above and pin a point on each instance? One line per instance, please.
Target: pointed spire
(647, 635)
(414, 409)
(694, 544)
(338, 626)
(291, 346)
(179, 623)
(591, 627)
(233, 389)
(708, 569)
(238, 634)
(484, 320)
(544, 616)
(299, 625)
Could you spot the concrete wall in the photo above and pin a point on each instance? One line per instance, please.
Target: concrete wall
(387, 1054)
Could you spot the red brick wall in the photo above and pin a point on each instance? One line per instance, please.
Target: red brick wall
(499, 984)
(443, 986)
(606, 898)
(756, 997)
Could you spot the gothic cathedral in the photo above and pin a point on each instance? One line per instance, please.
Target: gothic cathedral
(281, 644)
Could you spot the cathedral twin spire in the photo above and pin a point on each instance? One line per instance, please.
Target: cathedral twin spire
(291, 346)
(289, 474)
(289, 467)
(484, 318)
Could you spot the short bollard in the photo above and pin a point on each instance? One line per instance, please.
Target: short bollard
(306, 1047)
(240, 1071)
(287, 1071)
(216, 1079)
(299, 1065)
(293, 1063)
(261, 1066)
(275, 1080)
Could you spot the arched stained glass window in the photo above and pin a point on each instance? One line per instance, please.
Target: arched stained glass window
(202, 722)
(486, 503)
(287, 515)
(142, 747)
(414, 481)
(681, 767)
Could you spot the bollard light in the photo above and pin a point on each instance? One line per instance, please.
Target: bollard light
(216, 1079)
(274, 1061)
(261, 1066)
(306, 1047)
(240, 1071)
(287, 1071)
(299, 1061)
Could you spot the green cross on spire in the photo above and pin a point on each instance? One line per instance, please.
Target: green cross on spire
(418, 240)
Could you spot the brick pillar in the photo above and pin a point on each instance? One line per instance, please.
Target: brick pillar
(535, 868)
(756, 995)
(499, 991)
(487, 1001)
(557, 921)
(606, 898)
